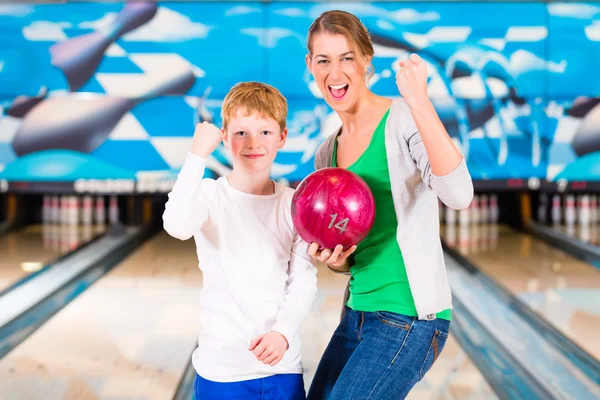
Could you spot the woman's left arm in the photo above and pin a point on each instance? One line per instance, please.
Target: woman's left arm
(446, 164)
(443, 155)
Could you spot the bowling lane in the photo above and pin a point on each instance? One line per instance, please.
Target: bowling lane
(27, 250)
(131, 334)
(453, 376)
(559, 287)
(128, 336)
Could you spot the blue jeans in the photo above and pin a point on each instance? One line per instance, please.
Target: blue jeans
(275, 387)
(377, 355)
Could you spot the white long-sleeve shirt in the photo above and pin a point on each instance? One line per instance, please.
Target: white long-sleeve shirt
(257, 274)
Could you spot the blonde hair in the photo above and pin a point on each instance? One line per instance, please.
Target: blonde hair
(255, 97)
(346, 24)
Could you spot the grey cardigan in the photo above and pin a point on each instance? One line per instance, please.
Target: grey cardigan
(415, 191)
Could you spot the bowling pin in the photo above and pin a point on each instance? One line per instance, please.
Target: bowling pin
(450, 236)
(46, 209)
(542, 208)
(87, 210)
(463, 239)
(100, 212)
(556, 210)
(484, 237)
(584, 210)
(583, 105)
(64, 238)
(21, 105)
(79, 57)
(73, 210)
(87, 232)
(55, 209)
(73, 236)
(586, 140)
(60, 209)
(493, 236)
(55, 236)
(484, 212)
(82, 124)
(584, 233)
(474, 239)
(113, 210)
(593, 209)
(598, 209)
(475, 210)
(494, 211)
(464, 217)
(450, 216)
(64, 209)
(570, 210)
(47, 235)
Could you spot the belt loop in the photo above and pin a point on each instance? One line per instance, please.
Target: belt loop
(362, 321)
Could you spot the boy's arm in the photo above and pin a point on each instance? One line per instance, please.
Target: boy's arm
(185, 213)
(301, 292)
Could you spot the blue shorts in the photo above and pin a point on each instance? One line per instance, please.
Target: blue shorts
(275, 387)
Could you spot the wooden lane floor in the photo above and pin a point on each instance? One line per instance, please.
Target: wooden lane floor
(130, 335)
(562, 289)
(27, 250)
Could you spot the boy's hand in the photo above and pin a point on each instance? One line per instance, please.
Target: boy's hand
(206, 139)
(335, 259)
(269, 347)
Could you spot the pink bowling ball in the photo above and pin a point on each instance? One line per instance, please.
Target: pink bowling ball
(333, 206)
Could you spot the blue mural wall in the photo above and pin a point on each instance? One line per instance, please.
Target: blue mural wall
(92, 90)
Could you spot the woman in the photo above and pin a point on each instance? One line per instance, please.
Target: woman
(397, 315)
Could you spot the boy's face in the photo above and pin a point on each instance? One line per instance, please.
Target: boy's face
(254, 141)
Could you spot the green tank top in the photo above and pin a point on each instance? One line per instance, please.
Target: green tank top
(378, 274)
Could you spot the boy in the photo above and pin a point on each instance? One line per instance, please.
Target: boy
(259, 281)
